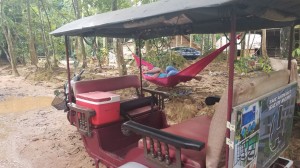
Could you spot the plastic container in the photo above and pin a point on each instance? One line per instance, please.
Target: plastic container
(282, 163)
(105, 104)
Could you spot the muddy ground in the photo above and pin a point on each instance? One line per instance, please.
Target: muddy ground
(34, 134)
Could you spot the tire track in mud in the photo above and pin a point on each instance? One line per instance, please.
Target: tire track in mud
(40, 136)
(10, 157)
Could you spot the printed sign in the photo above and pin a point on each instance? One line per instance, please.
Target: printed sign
(263, 128)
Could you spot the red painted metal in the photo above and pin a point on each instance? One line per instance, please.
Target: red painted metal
(111, 147)
(232, 53)
(140, 66)
(68, 67)
(291, 47)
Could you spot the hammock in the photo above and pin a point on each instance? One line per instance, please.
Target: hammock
(184, 75)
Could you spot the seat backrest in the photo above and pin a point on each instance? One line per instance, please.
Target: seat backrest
(243, 91)
(108, 84)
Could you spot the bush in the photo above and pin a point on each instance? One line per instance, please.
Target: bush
(264, 64)
(165, 58)
(253, 63)
(221, 57)
(296, 53)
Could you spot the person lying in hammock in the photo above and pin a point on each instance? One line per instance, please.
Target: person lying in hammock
(158, 73)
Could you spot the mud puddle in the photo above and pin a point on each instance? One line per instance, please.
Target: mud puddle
(22, 104)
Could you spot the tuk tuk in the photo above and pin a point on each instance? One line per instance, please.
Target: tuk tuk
(252, 122)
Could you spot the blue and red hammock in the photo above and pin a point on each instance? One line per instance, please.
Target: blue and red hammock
(184, 75)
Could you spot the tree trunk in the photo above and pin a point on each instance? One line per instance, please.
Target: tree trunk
(84, 61)
(119, 48)
(203, 44)
(32, 51)
(77, 55)
(209, 41)
(214, 41)
(9, 41)
(77, 9)
(248, 43)
(6, 53)
(104, 42)
(191, 40)
(181, 40)
(48, 64)
(55, 61)
(243, 43)
(147, 46)
(120, 59)
(264, 43)
(105, 46)
(11, 51)
(285, 41)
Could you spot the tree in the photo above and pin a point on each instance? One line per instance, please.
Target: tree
(50, 36)
(264, 43)
(6, 30)
(32, 51)
(214, 39)
(119, 48)
(77, 9)
(44, 37)
(243, 43)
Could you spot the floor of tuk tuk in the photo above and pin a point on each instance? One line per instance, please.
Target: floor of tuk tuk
(34, 134)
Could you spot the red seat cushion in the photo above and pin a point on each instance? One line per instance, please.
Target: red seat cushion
(196, 128)
(141, 111)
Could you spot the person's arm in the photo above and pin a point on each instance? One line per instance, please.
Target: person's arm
(153, 70)
(155, 75)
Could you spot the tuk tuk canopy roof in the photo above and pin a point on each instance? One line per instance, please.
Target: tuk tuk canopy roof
(174, 17)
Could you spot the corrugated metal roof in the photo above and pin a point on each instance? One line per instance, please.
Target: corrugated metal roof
(171, 17)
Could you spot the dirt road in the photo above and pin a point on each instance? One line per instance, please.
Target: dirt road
(32, 133)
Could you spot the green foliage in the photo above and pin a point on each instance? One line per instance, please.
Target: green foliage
(242, 65)
(264, 64)
(296, 53)
(253, 63)
(102, 55)
(165, 58)
(221, 57)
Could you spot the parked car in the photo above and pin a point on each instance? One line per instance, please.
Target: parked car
(187, 52)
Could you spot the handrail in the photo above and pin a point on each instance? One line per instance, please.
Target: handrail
(159, 151)
(174, 140)
(83, 116)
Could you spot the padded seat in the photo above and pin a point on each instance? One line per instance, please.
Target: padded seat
(203, 129)
(190, 129)
(138, 106)
(141, 111)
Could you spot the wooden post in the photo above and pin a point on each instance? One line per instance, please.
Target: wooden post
(291, 47)
(180, 40)
(68, 67)
(232, 53)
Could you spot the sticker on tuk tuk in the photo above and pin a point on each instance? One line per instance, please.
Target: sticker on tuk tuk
(263, 128)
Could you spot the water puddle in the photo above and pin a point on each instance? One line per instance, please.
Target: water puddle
(22, 104)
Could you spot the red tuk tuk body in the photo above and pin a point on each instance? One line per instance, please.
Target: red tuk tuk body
(141, 136)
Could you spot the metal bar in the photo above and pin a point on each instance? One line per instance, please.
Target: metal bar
(68, 67)
(145, 146)
(140, 66)
(159, 151)
(178, 158)
(167, 155)
(232, 53)
(291, 48)
(152, 150)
